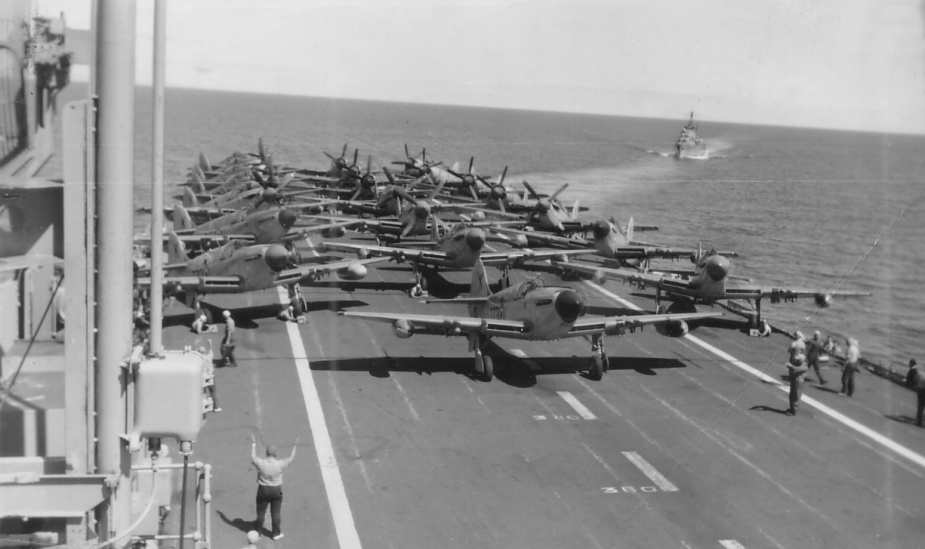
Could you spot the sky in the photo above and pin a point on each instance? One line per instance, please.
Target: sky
(842, 64)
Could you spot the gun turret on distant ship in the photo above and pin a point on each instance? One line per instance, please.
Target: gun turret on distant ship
(688, 144)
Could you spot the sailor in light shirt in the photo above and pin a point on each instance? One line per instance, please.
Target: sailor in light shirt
(270, 485)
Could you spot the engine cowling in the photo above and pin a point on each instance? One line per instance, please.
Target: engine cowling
(599, 277)
(676, 328)
(823, 300)
(479, 216)
(402, 328)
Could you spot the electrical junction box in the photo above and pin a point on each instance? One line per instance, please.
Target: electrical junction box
(169, 398)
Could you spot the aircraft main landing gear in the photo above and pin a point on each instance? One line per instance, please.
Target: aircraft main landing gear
(599, 362)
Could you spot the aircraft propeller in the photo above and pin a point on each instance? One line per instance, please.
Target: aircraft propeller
(469, 179)
(545, 205)
(497, 190)
(339, 163)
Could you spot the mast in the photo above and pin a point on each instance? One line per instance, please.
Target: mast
(115, 90)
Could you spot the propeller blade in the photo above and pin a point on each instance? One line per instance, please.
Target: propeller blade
(471, 161)
(475, 195)
(343, 153)
(555, 194)
(531, 191)
(402, 193)
(388, 174)
(357, 192)
(369, 164)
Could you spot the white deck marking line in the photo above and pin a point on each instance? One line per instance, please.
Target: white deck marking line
(731, 544)
(651, 472)
(404, 395)
(347, 536)
(582, 410)
(915, 457)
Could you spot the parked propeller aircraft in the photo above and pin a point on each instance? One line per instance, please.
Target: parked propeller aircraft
(238, 267)
(708, 283)
(528, 310)
(456, 247)
(257, 227)
(417, 167)
(610, 241)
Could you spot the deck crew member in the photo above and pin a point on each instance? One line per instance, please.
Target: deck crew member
(916, 379)
(797, 369)
(270, 485)
(851, 366)
(228, 342)
(814, 352)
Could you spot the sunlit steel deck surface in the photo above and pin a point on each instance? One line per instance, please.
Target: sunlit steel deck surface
(684, 443)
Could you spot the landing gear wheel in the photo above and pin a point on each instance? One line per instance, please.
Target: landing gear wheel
(488, 368)
(484, 366)
(596, 368)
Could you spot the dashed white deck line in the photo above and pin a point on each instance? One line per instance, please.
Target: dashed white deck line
(344, 526)
(404, 395)
(600, 460)
(258, 407)
(651, 472)
(582, 410)
(886, 442)
(731, 544)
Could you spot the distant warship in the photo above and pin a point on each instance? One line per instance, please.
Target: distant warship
(688, 144)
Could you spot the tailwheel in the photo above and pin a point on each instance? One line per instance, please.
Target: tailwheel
(596, 368)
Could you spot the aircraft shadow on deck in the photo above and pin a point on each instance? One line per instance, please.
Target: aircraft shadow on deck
(510, 369)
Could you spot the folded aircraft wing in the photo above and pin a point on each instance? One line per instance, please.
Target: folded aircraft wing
(349, 269)
(517, 257)
(547, 239)
(427, 257)
(619, 325)
(777, 295)
(447, 325)
(600, 273)
(200, 284)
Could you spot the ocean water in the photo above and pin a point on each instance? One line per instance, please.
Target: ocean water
(803, 207)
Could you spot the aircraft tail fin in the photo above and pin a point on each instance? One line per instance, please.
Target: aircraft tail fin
(204, 164)
(176, 251)
(189, 199)
(479, 288)
(181, 219)
(199, 181)
(575, 210)
(629, 230)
